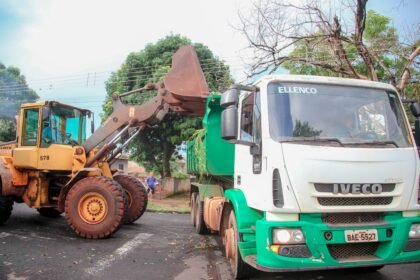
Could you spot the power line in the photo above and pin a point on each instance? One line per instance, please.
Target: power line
(141, 73)
(144, 69)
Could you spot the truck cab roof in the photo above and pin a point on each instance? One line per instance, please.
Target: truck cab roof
(325, 80)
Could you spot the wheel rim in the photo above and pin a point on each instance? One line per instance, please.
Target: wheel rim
(230, 243)
(129, 199)
(92, 208)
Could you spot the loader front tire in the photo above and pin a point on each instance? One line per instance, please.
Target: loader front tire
(95, 207)
(6, 207)
(136, 197)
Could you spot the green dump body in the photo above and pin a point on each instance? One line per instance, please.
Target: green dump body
(208, 153)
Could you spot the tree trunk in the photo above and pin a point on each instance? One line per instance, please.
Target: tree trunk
(406, 71)
(168, 150)
(358, 39)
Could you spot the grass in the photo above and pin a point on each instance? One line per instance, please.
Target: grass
(155, 207)
(179, 195)
(175, 203)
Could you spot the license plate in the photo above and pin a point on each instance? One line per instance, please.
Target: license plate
(364, 235)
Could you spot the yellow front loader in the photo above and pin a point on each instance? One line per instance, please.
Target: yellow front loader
(54, 168)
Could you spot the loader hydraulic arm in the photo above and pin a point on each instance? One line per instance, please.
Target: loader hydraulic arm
(183, 90)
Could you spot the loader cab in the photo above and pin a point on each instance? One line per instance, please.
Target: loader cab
(52, 123)
(63, 124)
(48, 133)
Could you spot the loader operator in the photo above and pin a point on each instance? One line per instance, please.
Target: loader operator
(51, 133)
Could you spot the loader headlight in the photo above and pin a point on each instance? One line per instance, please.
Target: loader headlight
(414, 231)
(288, 236)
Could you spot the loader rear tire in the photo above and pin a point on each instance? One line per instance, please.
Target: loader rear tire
(136, 197)
(95, 207)
(6, 207)
(49, 212)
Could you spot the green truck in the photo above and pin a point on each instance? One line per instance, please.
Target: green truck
(306, 173)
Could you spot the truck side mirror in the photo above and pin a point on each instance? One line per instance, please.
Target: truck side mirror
(230, 98)
(415, 109)
(417, 132)
(230, 123)
(255, 150)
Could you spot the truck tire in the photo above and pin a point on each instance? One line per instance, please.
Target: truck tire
(136, 197)
(239, 268)
(49, 212)
(95, 207)
(200, 226)
(6, 207)
(193, 208)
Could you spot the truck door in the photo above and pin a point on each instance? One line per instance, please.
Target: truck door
(249, 169)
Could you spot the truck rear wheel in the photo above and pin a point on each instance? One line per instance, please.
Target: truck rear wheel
(136, 197)
(200, 226)
(49, 212)
(95, 207)
(193, 208)
(6, 207)
(239, 268)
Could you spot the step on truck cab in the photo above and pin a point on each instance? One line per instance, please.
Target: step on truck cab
(305, 173)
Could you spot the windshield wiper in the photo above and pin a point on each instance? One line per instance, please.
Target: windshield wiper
(315, 139)
(388, 142)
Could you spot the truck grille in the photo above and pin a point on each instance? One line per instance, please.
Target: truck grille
(353, 251)
(329, 188)
(295, 251)
(354, 201)
(412, 245)
(353, 218)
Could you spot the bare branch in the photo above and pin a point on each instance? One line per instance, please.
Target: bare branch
(406, 70)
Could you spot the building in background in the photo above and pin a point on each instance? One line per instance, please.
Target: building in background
(121, 164)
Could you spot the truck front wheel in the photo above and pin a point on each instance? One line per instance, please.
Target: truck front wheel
(239, 268)
(95, 207)
(6, 207)
(136, 197)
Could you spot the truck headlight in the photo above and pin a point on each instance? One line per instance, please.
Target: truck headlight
(288, 236)
(414, 231)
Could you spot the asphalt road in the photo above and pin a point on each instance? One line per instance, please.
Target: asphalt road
(158, 246)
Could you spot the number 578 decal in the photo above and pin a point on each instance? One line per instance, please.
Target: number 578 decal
(44, 157)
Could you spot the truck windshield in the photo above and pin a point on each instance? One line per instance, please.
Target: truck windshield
(65, 125)
(336, 115)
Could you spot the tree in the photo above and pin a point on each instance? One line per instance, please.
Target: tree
(306, 39)
(156, 146)
(13, 92)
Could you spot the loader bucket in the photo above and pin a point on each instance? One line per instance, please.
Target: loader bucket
(184, 87)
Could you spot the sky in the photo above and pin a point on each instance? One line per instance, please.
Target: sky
(67, 49)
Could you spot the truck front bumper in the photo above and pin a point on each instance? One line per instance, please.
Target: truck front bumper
(326, 247)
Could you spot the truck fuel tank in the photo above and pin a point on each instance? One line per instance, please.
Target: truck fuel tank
(213, 207)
